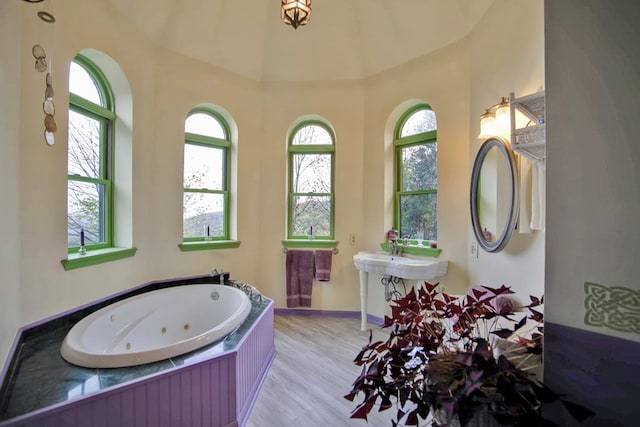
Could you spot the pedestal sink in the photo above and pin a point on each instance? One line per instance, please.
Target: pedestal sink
(405, 267)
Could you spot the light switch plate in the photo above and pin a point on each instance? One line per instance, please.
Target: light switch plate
(474, 250)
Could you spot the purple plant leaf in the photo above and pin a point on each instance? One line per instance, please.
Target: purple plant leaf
(403, 396)
(502, 290)
(478, 293)
(535, 301)
(388, 322)
(430, 287)
(536, 315)
(385, 403)
(361, 411)
(520, 324)
(412, 419)
(465, 359)
(482, 349)
(473, 381)
(448, 405)
(505, 365)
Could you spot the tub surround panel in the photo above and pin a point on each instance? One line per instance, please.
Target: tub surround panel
(40, 387)
(582, 365)
(33, 337)
(255, 355)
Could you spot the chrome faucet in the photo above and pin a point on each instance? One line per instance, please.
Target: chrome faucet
(395, 248)
(251, 291)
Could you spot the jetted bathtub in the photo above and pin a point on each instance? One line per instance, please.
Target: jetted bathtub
(155, 325)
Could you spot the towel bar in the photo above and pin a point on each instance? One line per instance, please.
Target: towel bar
(335, 251)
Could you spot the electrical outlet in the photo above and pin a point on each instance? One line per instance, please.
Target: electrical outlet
(474, 250)
(353, 238)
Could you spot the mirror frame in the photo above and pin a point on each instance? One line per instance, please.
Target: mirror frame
(514, 194)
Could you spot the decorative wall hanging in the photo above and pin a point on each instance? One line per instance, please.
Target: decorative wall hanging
(614, 307)
(41, 66)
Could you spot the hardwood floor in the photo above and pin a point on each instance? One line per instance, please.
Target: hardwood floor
(312, 372)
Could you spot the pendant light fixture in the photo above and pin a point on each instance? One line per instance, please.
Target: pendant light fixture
(296, 12)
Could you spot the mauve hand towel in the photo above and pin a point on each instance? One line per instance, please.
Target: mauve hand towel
(299, 278)
(323, 265)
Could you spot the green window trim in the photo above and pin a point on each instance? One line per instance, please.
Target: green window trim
(414, 249)
(199, 245)
(399, 143)
(94, 257)
(319, 149)
(106, 115)
(106, 93)
(212, 242)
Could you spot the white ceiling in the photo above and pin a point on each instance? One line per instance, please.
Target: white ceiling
(345, 39)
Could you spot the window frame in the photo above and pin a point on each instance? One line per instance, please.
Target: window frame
(226, 146)
(107, 116)
(399, 143)
(320, 149)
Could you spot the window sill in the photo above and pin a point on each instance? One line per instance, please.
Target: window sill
(414, 249)
(210, 245)
(310, 243)
(97, 256)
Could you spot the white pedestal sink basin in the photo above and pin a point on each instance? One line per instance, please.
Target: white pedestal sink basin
(404, 267)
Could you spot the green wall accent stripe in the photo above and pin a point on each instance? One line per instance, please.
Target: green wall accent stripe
(615, 307)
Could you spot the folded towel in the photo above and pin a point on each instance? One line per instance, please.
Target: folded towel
(538, 196)
(299, 278)
(323, 265)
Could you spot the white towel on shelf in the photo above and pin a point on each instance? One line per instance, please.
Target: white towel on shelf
(538, 196)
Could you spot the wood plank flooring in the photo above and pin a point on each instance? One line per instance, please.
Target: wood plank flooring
(312, 372)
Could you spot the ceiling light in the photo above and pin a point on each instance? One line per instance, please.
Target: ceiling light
(296, 12)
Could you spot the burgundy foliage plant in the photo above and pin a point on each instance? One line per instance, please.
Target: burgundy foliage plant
(448, 359)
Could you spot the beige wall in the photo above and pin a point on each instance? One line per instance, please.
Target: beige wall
(9, 174)
(441, 80)
(593, 193)
(166, 85)
(503, 54)
(506, 55)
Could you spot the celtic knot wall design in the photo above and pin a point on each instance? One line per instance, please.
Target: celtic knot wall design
(614, 307)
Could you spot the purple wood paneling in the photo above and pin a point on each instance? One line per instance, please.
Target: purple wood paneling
(114, 409)
(194, 390)
(140, 399)
(254, 357)
(205, 386)
(598, 371)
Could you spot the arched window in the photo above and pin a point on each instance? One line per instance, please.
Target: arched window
(90, 158)
(416, 190)
(311, 181)
(206, 177)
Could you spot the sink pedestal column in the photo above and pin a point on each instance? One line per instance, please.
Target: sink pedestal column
(364, 292)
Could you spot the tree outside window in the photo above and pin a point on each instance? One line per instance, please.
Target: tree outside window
(89, 168)
(206, 177)
(311, 183)
(417, 174)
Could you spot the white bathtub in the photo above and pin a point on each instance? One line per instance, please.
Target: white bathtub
(155, 325)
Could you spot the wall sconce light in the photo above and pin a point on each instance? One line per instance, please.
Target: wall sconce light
(296, 12)
(503, 119)
(487, 124)
(496, 120)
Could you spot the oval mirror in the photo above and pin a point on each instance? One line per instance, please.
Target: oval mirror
(494, 195)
